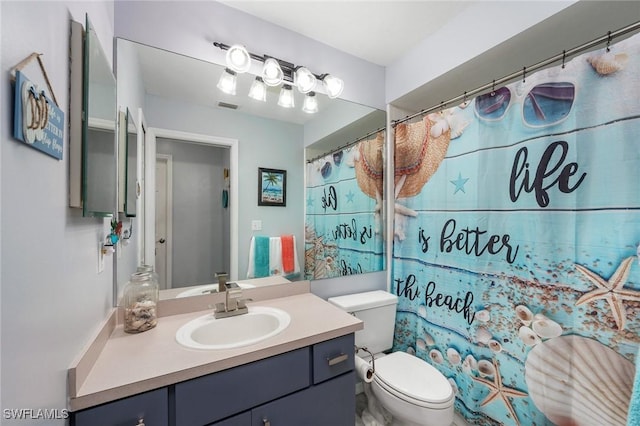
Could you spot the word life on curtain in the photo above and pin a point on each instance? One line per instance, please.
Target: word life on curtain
(343, 229)
(517, 227)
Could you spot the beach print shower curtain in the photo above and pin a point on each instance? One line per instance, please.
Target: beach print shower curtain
(343, 228)
(516, 255)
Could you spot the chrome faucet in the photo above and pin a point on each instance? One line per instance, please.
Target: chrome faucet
(233, 304)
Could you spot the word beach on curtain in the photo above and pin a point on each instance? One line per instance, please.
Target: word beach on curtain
(515, 260)
(344, 224)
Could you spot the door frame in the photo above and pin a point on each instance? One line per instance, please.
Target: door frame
(150, 182)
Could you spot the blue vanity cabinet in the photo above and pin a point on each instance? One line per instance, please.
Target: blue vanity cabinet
(326, 398)
(330, 403)
(150, 408)
(310, 386)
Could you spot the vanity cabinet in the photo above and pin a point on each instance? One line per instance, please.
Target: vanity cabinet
(313, 385)
(152, 408)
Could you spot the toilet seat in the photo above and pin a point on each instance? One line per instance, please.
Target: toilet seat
(411, 379)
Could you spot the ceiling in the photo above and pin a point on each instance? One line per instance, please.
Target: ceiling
(376, 31)
(339, 24)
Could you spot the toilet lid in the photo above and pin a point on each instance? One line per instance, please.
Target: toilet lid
(411, 376)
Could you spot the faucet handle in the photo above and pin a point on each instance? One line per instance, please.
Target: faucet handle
(242, 303)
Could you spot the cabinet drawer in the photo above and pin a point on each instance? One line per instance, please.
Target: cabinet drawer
(210, 398)
(332, 358)
(152, 407)
(332, 403)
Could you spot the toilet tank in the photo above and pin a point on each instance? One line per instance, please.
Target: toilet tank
(377, 309)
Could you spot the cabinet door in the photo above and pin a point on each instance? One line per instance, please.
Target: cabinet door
(330, 403)
(219, 395)
(150, 407)
(243, 419)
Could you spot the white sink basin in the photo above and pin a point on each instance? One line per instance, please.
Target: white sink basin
(207, 289)
(207, 332)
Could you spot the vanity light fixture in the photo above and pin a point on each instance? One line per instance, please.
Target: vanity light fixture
(272, 73)
(276, 71)
(305, 80)
(333, 85)
(310, 105)
(227, 82)
(286, 99)
(258, 90)
(238, 59)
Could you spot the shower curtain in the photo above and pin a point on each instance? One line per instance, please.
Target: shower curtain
(343, 228)
(515, 255)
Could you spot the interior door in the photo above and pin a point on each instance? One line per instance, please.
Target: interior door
(163, 221)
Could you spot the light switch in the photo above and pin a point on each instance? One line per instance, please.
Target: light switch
(256, 225)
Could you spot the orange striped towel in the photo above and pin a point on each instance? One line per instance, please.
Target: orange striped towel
(288, 264)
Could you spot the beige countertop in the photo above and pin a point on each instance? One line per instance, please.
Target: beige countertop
(133, 363)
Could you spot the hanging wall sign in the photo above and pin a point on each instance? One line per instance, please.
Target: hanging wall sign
(38, 122)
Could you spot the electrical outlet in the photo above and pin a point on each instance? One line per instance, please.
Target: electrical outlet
(256, 225)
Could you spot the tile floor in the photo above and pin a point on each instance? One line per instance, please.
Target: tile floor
(362, 403)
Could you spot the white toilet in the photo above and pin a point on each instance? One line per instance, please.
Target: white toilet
(412, 390)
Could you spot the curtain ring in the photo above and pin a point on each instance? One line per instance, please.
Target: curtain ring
(564, 57)
(493, 88)
(524, 74)
(608, 41)
(464, 98)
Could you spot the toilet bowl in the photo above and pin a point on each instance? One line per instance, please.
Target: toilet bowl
(413, 391)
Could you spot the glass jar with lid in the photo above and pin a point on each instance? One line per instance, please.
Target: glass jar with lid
(140, 301)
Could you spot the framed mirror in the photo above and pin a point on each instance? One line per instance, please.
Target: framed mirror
(182, 104)
(129, 186)
(93, 165)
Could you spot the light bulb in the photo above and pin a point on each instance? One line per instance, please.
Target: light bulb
(333, 86)
(286, 99)
(238, 58)
(258, 90)
(227, 82)
(310, 105)
(305, 80)
(272, 74)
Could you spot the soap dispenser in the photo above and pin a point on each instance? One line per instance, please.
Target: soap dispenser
(140, 300)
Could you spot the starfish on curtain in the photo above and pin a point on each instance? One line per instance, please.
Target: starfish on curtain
(498, 390)
(611, 290)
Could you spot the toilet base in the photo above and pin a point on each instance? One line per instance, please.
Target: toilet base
(404, 413)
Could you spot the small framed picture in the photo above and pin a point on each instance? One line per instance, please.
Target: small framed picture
(272, 187)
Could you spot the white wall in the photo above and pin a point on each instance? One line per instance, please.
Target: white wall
(191, 27)
(52, 298)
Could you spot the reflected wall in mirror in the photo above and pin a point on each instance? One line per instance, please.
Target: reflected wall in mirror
(129, 186)
(99, 165)
(344, 192)
(188, 86)
(192, 222)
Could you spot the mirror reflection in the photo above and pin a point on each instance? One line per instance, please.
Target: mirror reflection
(172, 84)
(98, 131)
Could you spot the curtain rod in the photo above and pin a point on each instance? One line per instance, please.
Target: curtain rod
(348, 144)
(561, 56)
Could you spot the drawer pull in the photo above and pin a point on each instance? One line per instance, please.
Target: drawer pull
(266, 422)
(140, 422)
(337, 360)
